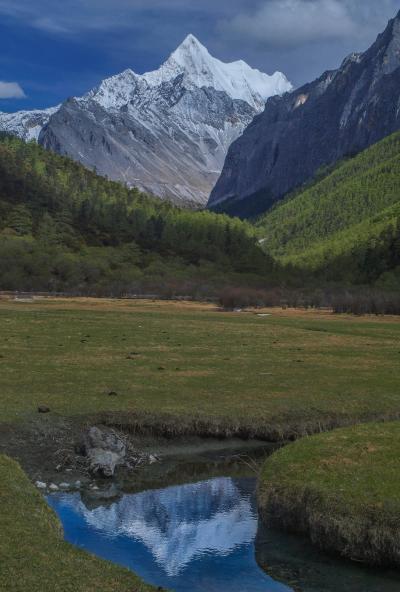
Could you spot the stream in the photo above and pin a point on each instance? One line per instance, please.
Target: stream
(204, 535)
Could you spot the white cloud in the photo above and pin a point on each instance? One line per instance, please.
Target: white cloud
(289, 23)
(11, 90)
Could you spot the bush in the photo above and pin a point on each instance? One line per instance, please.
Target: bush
(231, 298)
(372, 302)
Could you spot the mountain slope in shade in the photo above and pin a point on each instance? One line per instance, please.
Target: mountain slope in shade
(340, 114)
(168, 131)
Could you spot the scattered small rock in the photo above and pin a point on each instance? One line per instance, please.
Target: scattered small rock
(53, 487)
(43, 409)
(64, 486)
(41, 485)
(78, 484)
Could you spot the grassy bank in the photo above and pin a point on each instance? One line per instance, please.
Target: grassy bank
(187, 368)
(33, 555)
(341, 489)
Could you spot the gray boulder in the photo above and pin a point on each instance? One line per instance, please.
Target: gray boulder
(105, 449)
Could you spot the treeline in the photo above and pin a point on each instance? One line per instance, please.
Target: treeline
(63, 227)
(357, 301)
(373, 261)
(344, 227)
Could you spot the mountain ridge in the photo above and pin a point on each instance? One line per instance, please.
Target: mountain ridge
(340, 113)
(166, 131)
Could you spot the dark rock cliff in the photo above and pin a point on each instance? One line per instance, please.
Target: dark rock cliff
(339, 114)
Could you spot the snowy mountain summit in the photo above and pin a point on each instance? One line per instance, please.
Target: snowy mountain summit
(167, 131)
(237, 79)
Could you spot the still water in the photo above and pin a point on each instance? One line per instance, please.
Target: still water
(205, 537)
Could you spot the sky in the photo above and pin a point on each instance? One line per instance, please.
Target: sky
(53, 49)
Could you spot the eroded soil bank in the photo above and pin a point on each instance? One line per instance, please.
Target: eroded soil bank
(340, 489)
(47, 449)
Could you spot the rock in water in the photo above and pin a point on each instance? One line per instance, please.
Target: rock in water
(105, 449)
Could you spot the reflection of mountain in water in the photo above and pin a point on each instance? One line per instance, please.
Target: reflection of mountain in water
(181, 523)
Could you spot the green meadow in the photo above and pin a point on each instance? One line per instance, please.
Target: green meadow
(33, 555)
(186, 367)
(181, 369)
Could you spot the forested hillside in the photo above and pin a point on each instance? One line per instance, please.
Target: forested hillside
(345, 226)
(64, 228)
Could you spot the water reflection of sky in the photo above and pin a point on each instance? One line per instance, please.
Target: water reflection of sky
(195, 537)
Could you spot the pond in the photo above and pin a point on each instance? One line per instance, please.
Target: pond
(204, 536)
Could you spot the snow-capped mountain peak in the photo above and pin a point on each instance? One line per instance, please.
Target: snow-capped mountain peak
(201, 69)
(166, 132)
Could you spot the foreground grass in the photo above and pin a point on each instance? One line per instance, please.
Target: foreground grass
(222, 372)
(33, 555)
(342, 489)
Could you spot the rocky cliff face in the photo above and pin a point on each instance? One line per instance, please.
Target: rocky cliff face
(174, 147)
(340, 114)
(168, 131)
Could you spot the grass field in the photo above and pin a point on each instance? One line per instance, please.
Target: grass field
(176, 368)
(33, 555)
(193, 367)
(342, 489)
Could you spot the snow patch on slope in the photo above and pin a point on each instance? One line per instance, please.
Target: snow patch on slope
(27, 125)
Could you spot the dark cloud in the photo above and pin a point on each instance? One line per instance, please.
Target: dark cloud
(72, 16)
(293, 23)
(92, 39)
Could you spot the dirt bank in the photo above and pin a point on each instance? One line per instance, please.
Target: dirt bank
(341, 490)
